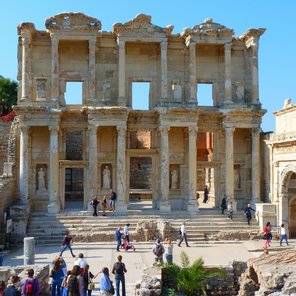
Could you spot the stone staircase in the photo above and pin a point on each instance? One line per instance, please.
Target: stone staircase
(208, 224)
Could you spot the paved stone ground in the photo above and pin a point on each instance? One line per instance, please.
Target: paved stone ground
(99, 255)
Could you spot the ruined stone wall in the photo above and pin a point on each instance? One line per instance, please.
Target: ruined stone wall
(4, 140)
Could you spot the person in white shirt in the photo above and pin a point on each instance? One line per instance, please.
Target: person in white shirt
(283, 235)
(183, 235)
(81, 262)
(230, 211)
(125, 232)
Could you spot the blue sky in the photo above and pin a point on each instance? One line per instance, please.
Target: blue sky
(277, 54)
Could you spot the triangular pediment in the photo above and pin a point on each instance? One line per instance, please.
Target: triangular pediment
(73, 21)
(141, 24)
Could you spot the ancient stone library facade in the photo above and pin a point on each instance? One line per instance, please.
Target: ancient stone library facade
(166, 152)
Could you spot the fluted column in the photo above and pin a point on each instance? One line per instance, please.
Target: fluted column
(227, 74)
(92, 161)
(55, 94)
(254, 67)
(121, 169)
(164, 69)
(53, 206)
(25, 67)
(192, 204)
(192, 71)
(92, 69)
(121, 72)
(24, 164)
(229, 170)
(164, 169)
(255, 165)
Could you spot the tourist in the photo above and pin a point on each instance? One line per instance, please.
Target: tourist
(87, 284)
(230, 211)
(67, 243)
(74, 282)
(206, 194)
(168, 247)
(31, 286)
(2, 287)
(267, 234)
(119, 270)
(283, 235)
(248, 212)
(158, 251)
(94, 202)
(81, 262)
(57, 276)
(104, 205)
(183, 234)
(105, 285)
(12, 288)
(126, 232)
(118, 236)
(223, 205)
(112, 201)
(65, 284)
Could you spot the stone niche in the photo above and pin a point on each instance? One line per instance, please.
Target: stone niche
(106, 177)
(41, 184)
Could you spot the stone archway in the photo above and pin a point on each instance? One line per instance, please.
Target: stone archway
(292, 217)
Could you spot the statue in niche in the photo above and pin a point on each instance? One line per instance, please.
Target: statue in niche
(239, 90)
(106, 178)
(175, 177)
(237, 180)
(41, 180)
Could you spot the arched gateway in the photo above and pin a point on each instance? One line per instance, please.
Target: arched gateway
(169, 152)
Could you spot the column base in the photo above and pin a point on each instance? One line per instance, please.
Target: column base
(53, 208)
(121, 209)
(228, 102)
(165, 207)
(122, 101)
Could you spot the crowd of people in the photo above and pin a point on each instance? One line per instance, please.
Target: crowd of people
(108, 201)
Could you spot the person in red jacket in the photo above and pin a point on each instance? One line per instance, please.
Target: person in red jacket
(67, 243)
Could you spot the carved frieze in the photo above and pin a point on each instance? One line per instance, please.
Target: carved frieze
(284, 149)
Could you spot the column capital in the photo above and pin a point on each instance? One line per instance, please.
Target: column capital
(93, 128)
(164, 44)
(227, 46)
(229, 129)
(26, 39)
(121, 43)
(92, 41)
(121, 130)
(53, 129)
(192, 130)
(164, 129)
(24, 128)
(256, 132)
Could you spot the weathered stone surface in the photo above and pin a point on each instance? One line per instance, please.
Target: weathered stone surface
(272, 274)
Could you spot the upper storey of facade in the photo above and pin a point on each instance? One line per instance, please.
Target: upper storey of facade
(74, 49)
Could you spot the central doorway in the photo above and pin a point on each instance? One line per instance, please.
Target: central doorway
(140, 183)
(74, 188)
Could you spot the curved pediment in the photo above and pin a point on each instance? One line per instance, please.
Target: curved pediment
(72, 22)
(141, 24)
(208, 27)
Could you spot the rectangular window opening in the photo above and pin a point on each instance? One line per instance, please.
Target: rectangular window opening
(140, 95)
(73, 94)
(205, 94)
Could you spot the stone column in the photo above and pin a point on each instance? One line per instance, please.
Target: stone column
(29, 250)
(25, 68)
(92, 161)
(164, 169)
(227, 74)
(53, 206)
(229, 170)
(121, 72)
(255, 165)
(192, 72)
(24, 164)
(254, 66)
(55, 93)
(164, 69)
(121, 169)
(92, 69)
(192, 204)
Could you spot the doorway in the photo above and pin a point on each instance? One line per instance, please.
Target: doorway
(74, 188)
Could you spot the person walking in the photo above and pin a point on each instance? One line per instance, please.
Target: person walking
(67, 243)
(248, 212)
(267, 234)
(126, 232)
(105, 285)
(183, 233)
(12, 289)
(230, 211)
(57, 275)
(31, 285)
(206, 195)
(119, 270)
(94, 204)
(158, 251)
(168, 247)
(118, 236)
(283, 235)
(223, 205)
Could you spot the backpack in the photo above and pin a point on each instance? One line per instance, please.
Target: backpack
(119, 268)
(29, 287)
(72, 283)
(158, 250)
